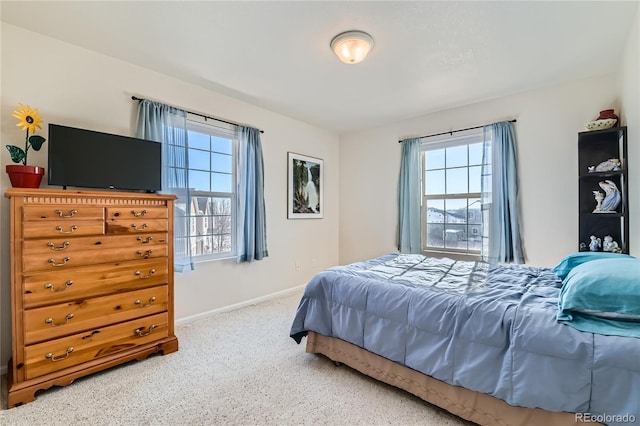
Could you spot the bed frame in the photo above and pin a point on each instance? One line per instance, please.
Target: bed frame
(470, 405)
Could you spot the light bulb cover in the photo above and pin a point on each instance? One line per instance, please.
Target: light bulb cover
(353, 46)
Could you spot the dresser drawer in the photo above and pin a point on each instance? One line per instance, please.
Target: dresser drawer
(123, 213)
(62, 212)
(78, 257)
(65, 245)
(54, 355)
(62, 228)
(136, 226)
(66, 285)
(55, 321)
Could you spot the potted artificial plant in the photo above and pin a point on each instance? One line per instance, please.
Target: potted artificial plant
(23, 175)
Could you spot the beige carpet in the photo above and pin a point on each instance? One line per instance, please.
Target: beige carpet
(233, 368)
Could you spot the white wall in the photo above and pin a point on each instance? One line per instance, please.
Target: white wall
(629, 89)
(80, 88)
(546, 131)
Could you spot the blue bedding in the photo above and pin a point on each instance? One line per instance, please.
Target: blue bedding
(488, 328)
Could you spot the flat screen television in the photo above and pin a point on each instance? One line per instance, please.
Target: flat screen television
(90, 159)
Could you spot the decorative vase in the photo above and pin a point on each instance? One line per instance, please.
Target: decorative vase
(22, 176)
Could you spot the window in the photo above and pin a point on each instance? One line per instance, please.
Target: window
(211, 213)
(451, 205)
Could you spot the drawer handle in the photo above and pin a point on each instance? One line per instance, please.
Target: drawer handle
(146, 240)
(71, 213)
(141, 333)
(56, 290)
(53, 358)
(62, 247)
(64, 262)
(53, 322)
(142, 228)
(144, 254)
(71, 230)
(139, 302)
(143, 277)
(138, 214)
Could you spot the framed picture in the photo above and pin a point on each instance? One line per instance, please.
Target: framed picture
(305, 197)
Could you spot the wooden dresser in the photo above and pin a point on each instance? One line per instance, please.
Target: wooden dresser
(91, 284)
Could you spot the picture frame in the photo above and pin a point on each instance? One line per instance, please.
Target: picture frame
(305, 187)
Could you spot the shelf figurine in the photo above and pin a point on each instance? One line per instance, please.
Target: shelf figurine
(599, 196)
(612, 198)
(612, 164)
(595, 243)
(609, 245)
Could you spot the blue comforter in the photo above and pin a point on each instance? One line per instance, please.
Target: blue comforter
(487, 328)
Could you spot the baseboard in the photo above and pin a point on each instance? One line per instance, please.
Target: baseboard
(235, 306)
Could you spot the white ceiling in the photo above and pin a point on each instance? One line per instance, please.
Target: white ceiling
(428, 56)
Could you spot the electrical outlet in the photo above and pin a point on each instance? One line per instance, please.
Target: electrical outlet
(296, 267)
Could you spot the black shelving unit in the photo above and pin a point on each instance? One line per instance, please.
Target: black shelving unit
(594, 147)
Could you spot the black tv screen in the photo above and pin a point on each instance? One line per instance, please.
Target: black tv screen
(89, 159)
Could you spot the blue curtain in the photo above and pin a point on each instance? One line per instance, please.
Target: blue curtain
(409, 239)
(500, 195)
(168, 125)
(252, 225)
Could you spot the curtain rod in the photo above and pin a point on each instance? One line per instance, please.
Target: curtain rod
(206, 117)
(455, 131)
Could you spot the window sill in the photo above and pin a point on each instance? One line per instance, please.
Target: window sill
(469, 257)
(206, 259)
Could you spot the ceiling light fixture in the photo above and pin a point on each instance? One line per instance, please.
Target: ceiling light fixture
(352, 46)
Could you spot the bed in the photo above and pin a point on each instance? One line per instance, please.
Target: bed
(493, 344)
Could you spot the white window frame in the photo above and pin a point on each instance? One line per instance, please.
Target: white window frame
(200, 125)
(467, 138)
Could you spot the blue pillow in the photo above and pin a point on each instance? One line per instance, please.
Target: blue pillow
(603, 296)
(568, 263)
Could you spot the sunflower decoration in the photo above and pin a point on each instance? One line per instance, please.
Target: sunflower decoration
(29, 120)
